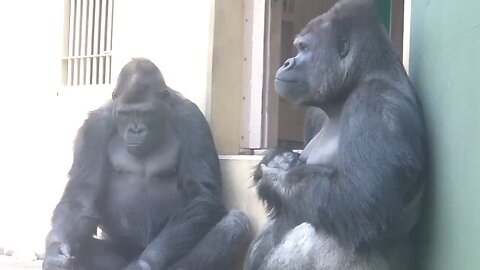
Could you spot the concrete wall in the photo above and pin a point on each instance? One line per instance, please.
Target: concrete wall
(227, 76)
(445, 69)
(31, 158)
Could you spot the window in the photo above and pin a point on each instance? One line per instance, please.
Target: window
(88, 42)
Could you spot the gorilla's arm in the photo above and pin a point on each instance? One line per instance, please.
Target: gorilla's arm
(75, 217)
(379, 166)
(199, 170)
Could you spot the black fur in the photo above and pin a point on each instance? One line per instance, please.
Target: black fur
(347, 64)
(141, 232)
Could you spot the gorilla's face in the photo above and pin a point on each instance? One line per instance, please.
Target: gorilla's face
(139, 124)
(317, 74)
(141, 112)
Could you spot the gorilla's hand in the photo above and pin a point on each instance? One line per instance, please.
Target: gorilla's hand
(58, 257)
(281, 159)
(271, 174)
(138, 265)
(284, 161)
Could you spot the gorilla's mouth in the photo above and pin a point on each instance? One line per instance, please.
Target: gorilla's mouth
(286, 80)
(134, 145)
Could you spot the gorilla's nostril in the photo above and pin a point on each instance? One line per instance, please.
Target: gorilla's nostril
(290, 63)
(137, 130)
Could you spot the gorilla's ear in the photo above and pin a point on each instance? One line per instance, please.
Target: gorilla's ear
(341, 27)
(114, 94)
(164, 93)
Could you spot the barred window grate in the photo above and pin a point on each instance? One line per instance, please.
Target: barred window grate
(88, 52)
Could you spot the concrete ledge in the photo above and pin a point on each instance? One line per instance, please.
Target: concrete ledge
(11, 263)
(238, 189)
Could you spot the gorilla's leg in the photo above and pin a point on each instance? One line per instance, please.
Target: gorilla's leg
(304, 247)
(295, 250)
(260, 248)
(224, 246)
(99, 255)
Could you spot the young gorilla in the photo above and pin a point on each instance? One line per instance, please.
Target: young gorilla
(349, 200)
(146, 172)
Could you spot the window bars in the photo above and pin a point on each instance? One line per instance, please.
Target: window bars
(88, 42)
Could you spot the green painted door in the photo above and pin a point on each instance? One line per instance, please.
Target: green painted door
(445, 70)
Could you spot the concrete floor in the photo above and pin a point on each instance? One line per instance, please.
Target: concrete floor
(11, 263)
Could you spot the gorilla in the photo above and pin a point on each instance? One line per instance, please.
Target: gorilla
(146, 172)
(350, 199)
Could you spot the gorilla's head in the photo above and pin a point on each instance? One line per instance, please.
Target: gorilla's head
(140, 106)
(333, 53)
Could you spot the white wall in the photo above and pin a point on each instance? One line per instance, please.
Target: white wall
(31, 172)
(173, 34)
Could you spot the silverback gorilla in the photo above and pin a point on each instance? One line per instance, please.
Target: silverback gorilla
(350, 199)
(146, 172)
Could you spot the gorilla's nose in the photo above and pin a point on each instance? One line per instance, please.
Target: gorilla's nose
(289, 64)
(137, 130)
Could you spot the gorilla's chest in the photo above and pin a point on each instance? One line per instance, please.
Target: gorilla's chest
(140, 194)
(323, 148)
(160, 164)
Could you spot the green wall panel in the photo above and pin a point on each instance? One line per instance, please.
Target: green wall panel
(384, 11)
(445, 70)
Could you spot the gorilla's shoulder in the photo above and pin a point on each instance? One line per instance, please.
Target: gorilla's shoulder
(183, 108)
(99, 123)
(103, 112)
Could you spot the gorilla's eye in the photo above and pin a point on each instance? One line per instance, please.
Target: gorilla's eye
(123, 112)
(302, 46)
(344, 47)
(146, 113)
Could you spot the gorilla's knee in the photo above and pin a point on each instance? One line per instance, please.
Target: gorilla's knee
(299, 241)
(237, 223)
(223, 246)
